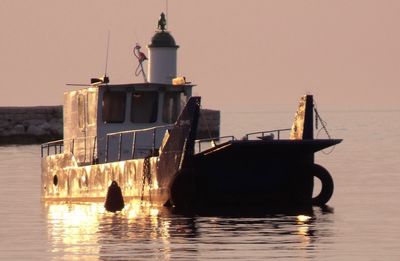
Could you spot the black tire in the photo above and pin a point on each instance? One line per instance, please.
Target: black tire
(327, 185)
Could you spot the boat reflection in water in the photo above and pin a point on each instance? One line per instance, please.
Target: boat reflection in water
(142, 231)
(88, 230)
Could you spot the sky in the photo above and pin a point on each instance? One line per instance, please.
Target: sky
(249, 55)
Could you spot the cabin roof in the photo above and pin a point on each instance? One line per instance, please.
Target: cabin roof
(137, 86)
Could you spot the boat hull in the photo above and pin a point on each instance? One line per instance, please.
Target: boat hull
(267, 174)
(64, 181)
(270, 174)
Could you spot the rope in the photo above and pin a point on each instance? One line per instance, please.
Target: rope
(318, 118)
(323, 123)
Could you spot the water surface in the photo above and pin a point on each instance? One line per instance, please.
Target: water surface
(360, 223)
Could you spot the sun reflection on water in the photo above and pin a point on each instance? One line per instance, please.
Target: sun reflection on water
(142, 231)
(71, 225)
(88, 230)
(302, 218)
(303, 229)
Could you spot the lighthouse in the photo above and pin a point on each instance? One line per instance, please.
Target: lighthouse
(162, 66)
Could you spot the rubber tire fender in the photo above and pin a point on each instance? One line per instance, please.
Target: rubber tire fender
(327, 185)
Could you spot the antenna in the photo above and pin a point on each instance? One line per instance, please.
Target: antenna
(166, 12)
(108, 47)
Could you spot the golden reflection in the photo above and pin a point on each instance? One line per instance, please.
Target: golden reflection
(132, 212)
(303, 229)
(154, 212)
(121, 165)
(155, 184)
(85, 229)
(302, 218)
(70, 225)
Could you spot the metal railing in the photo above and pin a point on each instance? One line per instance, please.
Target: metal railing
(212, 142)
(266, 134)
(86, 153)
(58, 146)
(151, 149)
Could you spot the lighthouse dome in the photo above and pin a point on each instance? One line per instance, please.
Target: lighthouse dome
(163, 39)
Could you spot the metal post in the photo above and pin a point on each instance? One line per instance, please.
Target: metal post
(120, 146)
(106, 152)
(94, 147)
(133, 144)
(48, 149)
(41, 150)
(85, 139)
(154, 141)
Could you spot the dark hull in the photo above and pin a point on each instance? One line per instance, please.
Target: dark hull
(268, 174)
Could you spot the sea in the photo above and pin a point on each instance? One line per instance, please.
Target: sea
(360, 222)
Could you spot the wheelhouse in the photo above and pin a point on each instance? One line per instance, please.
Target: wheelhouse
(104, 122)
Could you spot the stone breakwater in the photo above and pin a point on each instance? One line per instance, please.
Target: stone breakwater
(209, 124)
(34, 125)
(30, 125)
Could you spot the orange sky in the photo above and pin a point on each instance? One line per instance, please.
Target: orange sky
(244, 55)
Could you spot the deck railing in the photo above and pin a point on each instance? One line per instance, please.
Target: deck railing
(85, 149)
(270, 134)
(88, 151)
(84, 154)
(151, 149)
(48, 147)
(203, 144)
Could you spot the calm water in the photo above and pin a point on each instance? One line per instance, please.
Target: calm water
(361, 223)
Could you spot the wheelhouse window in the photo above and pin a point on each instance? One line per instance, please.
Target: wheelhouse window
(144, 107)
(172, 106)
(114, 103)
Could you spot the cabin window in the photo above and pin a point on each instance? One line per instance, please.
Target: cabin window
(114, 107)
(144, 107)
(81, 111)
(172, 105)
(92, 108)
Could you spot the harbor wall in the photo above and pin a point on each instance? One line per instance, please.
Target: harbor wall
(34, 125)
(30, 125)
(209, 124)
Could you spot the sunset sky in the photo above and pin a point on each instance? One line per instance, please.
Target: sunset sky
(243, 55)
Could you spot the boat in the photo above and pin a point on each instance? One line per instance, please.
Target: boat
(138, 141)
